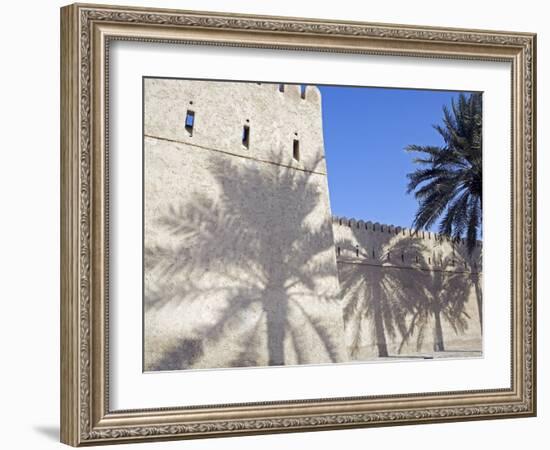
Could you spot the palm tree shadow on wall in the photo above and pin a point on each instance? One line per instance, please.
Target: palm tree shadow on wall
(446, 293)
(400, 292)
(377, 302)
(244, 290)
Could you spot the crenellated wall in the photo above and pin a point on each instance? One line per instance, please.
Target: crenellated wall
(407, 292)
(357, 239)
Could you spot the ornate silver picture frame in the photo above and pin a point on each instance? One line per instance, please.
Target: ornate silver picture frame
(87, 35)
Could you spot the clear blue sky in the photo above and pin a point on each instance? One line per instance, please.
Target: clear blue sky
(365, 132)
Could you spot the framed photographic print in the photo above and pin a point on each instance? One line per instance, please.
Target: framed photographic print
(276, 224)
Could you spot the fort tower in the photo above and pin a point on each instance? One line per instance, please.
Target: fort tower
(240, 268)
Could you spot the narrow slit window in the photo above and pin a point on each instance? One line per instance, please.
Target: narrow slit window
(356, 250)
(190, 122)
(296, 149)
(338, 251)
(246, 136)
(281, 87)
(303, 91)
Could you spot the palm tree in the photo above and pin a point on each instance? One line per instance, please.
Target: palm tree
(448, 185)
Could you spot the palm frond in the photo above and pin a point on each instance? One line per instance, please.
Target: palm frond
(448, 181)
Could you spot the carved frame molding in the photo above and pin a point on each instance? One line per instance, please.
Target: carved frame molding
(86, 31)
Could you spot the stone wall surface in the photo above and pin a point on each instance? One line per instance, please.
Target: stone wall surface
(406, 293)
(240, 268)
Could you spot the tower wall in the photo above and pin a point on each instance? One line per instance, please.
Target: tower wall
(239, 265)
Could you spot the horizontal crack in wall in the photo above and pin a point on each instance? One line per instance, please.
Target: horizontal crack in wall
(424, 269)
(235, 154)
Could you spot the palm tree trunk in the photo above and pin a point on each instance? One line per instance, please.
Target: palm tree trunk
(438, 333)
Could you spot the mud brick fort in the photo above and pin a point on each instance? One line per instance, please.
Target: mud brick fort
(244, 263)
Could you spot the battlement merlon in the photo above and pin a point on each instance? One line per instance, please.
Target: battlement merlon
(283, 122)
(297, 92)
(394, 229)
(403, 246)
